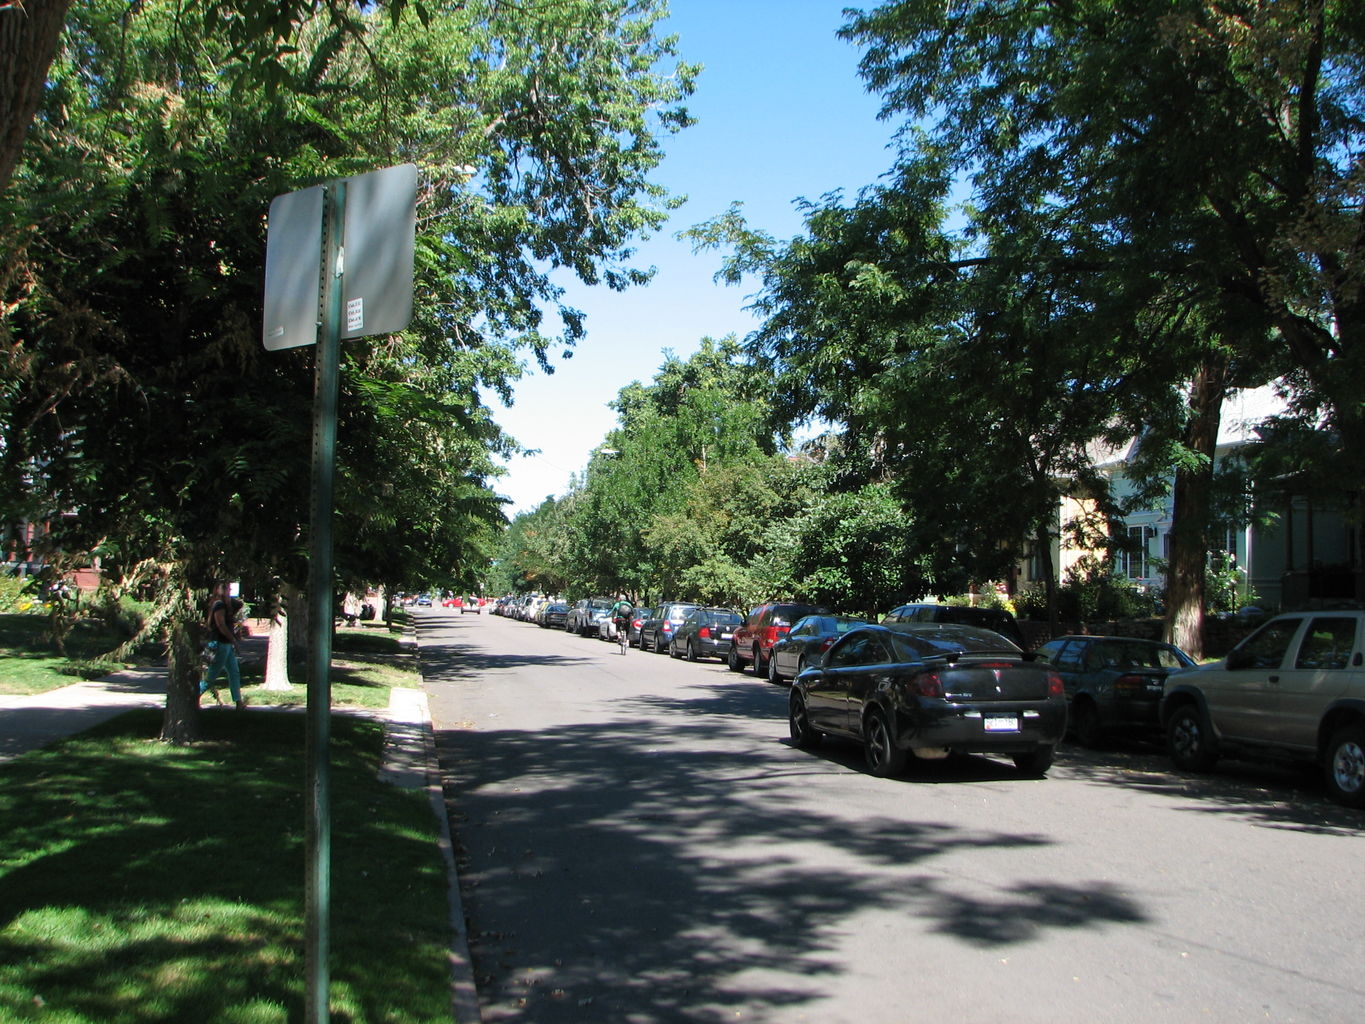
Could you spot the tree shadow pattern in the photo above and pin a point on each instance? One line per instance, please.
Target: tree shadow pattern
(658, 866)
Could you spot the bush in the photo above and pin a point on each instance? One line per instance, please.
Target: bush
(1091, 592)
(13, 596)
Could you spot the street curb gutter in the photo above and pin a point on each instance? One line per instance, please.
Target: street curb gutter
(409, 713)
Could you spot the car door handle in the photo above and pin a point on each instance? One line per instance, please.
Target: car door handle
(1274, 679)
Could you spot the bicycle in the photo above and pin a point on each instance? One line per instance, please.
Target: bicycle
(623, 634)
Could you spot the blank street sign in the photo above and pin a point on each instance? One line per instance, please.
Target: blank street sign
(293, 269)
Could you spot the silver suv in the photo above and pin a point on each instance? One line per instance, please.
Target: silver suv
(1294, 689)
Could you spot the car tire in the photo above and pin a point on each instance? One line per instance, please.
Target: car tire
(1035, 763)
(1085, 723)
(1189, 738)
(884, 758)
(1345, 766)
(691, 651)
(773, 677)
(673, 650)
(798, 722)
(658, 644)
(760, 664)
(732, 661)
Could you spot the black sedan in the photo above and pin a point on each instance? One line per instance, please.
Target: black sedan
(705, 633)
(1114, 683)
(930, 690)
(808, 640)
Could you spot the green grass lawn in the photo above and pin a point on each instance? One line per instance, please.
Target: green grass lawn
(142, 882)
(30, 664)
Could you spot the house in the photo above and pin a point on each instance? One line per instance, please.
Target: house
(1293, 553)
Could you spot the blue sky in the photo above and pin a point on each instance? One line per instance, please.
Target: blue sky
(781, 115)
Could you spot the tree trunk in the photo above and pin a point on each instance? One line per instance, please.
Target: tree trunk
(1043, 540)
(1184, 625)
(296, 602)
(29, 34)
(180, 722)
(277, 649)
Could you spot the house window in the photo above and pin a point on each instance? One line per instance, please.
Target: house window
(1134, 561)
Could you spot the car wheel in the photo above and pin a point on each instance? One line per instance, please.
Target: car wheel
(773, 677)
(1085, 723)
(1190, 740)
(1035, 763)
(1345, 765)
(760, 665)
(884, 758)
(658, 644)
(732, 661)
(692, 651)
(673, 651)
(799, 723)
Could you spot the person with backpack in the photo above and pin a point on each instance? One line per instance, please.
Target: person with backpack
(221, 627)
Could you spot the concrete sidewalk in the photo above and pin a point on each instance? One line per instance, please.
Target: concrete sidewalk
(31, 722)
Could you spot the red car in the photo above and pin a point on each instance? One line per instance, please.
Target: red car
(766, 624)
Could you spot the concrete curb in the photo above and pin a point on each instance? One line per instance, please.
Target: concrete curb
(410, 762)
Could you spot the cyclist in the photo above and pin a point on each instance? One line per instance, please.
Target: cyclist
(620, 614)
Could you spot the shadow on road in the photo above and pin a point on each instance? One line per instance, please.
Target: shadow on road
(662, 866)
(1269, 795)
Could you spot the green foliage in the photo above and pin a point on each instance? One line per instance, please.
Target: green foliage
(1092, 592)
(1225, 585)
(136, 377)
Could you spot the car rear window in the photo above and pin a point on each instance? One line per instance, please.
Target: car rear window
(930, 641)
(724, 618)
(786, 614)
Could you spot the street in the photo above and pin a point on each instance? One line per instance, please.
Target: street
(639, 842)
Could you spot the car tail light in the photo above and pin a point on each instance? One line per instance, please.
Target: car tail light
(667, 627)
(928, 684)
(1130, 685)
(825, 645)
(704, 633)
(1054, 685)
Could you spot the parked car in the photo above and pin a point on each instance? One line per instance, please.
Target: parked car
(705, 633)
(1292, 690)
(423, 600)
(809, 638)
(996, 619)
(638, 619)
(656, 632)
(766, 624)
(930, 690)
(580, 619)
(1114, 683)
(450, 601)
(554, 615)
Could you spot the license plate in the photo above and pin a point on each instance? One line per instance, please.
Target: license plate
(1002, 723)
(724, 636)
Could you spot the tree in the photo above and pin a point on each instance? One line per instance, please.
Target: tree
(137, 392)
(1209, 148)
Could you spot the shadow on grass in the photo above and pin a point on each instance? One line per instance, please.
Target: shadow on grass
(143, 882)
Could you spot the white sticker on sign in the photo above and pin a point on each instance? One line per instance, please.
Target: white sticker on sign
(355, 314)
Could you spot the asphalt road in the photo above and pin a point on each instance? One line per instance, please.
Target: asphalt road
(639, 842)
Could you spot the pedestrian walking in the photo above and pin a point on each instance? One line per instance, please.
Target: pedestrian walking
(222, 645)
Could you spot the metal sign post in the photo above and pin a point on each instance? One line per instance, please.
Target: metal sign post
(375, 233)
(318, 830)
